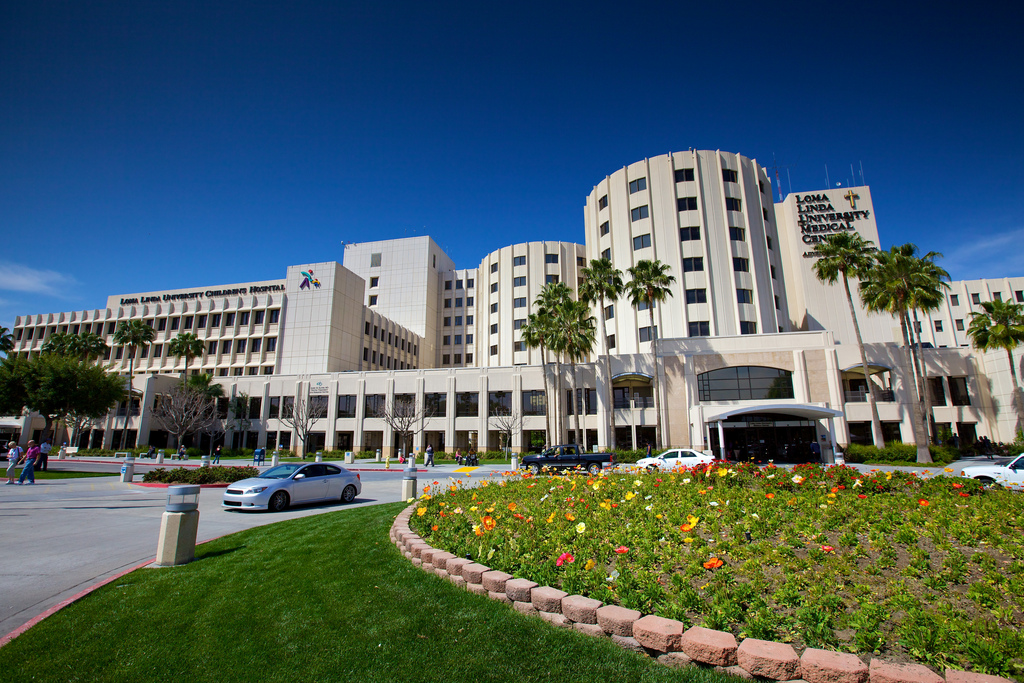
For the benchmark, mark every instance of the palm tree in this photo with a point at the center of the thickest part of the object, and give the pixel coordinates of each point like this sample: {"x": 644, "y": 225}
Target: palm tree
{"x": 1001, "y": 326}
{"x": 6, "y": 341}
{"x": 845, "y": 254}
{"x": 132, "y": 334}
{"x": 60, "y": 343}
{"x": 574, "y": 336}
{"x": 535, "y": 334}
{"x": 550, "y": 298}
{"x": 188, "y": 345}
{"x": 91, "y": 346}
{"x": 603, "y": 281}
{"x": 203, "y": 383}
{"x": 650, "y": 284}
{"x": 888, "y": 289}
{"x": 926, "y": 296}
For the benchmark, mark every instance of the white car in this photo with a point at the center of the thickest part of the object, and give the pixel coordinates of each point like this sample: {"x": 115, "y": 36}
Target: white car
{"x": 290, "y": 483}
{"x": 1009, "y": 474}
{"x": 675, "y": 457}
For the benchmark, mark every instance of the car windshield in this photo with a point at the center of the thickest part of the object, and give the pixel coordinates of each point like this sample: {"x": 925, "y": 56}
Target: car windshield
{"x": 280, "y": 472}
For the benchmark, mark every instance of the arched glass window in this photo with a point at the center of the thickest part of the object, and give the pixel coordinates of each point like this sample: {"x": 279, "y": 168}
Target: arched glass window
{"x": 745, "y": 383}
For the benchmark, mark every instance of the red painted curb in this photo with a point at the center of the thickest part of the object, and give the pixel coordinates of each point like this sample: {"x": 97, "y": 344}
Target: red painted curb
{"x": 157, "y": 485}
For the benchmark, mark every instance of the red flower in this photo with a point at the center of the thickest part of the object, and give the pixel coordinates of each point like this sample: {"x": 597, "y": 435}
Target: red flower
{"x": 828, "y": 549}
{"x": 713, "y": 563}
{"x": 964, "y": 495}
{"x": 861, "y": 495}
{"x": 769, "y": 496}
{"x": 958, "y": 486}
{"x": 563, "y": 558}
{"x": 433, "y": 528}
{"x": 622, "y": 550}
{"x": 923, "y": 503}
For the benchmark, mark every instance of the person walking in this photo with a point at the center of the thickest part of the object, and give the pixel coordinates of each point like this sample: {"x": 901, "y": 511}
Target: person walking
{"x": 13, "y": 456}
{"x": 216, "y": 456}
{"x": 43, "y": 462}
{"x": 30, "y": 460}
{"x": 429, "y": 462}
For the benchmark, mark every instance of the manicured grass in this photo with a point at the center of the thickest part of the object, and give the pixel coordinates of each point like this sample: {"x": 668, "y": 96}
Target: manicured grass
{"x": 911, "y": 567}
{"x": 323, "y": 598}
{"x": 57, "y": 474}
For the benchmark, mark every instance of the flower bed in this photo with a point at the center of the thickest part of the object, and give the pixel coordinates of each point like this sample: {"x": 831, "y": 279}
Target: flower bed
{"x": 926, "y": 568}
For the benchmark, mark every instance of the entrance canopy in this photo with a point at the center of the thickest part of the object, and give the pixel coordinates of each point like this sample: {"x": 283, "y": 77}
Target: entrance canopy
{"x": 873, "y": 369}
{"x": 803, "y": 410}
{"x": 632, "y": 377}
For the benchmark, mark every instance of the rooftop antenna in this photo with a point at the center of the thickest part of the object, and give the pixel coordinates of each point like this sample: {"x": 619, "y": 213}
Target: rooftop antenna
{"x": 828, "y": 183}
{"x": 778, "y": 181}
{"x": 862, "y": 173}
{"x": 790, "y": 179}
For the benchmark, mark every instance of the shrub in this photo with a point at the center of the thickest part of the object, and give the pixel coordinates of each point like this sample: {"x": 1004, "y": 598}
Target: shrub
{"x": 200, "y": 475}
{"x": 898, "y": 454}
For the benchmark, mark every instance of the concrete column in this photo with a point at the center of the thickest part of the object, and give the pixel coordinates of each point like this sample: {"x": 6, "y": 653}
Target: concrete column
{"x": 483, "y": 410}
{"x": 516, "y": 446}
{"x": 331, "y": 419}
{"x": 264, "y": 418}
{"x": 357, "y": 429}
{"x": 419, "y": 439}
{"x": 388, "y": 444}
{"x": 605, "y": 402}
{"x": 721, "y": 440}
{"x": 449, "y": 429}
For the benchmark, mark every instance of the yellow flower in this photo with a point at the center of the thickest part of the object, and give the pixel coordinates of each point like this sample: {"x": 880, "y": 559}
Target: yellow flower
{"x": 831, "y": 495}
{"x": 512, "y": 507}
{"x": 691, "y": 520}
{"x": 888, "y": 475}
{"x": 490, "y": 509}
{"x": 473, "y": 509}
{"x": 687, "y": 540}
{"x": 638, "y": 483}
{"x": 589, "y": 565}
{"x": 630, "y": 495}
{"x": 421, "y": 511}
{"x": 606, "y": 504}
{"x": 722, "y": 471}
{"x": 551, "y": 518}
{"x": 477, "y": 530}
{"x": 571, "y": 517}
{"x": 947, "y": 469}
{"x": 658, "y": 516}
{"x": 581, "y": 527}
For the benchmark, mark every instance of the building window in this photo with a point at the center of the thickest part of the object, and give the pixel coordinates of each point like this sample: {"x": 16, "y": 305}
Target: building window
{"x": 435, "y": 405}
{"x": 366, "y": 354}
{"x": 645, "y": 334}
{"x": 458, "y": 284}
{"x": 494, "y": 328}
{"x": 602, "y": 203}
{"x": 447, "y": 340}
{"x": 518, "y": 260}
{"x": 494, "y": 349}
{"x": 157, "y": 349}
{"x": 375, "y": 260}
{"x": 373, "y": 404}
{"x": 959, "y": 325}
{"x": 458, "y": 321}
{"x": 998, "y": 296}
{"x": 469, "y": 358}
{"x": 581, "y": 261}
{"x": 467, "y": 404}
{"x": 744, "y": 296}
{"x": 958, "y": 391}
{"x": 518, "y": 323}
{"x": 550, "y": 258}
{"x": 729, "y": 176}
{"x": 689, "y": 234}
{"x": 748, "y": 327}
{"x": 211, "y": 348}
{"x": 1019, "y": 294}
{"x": 733, "y": 204}
{"x": 201, "y": 322}
{"x": 448, "y": 321}
{"x": 256, "y": 343}
{"x": 373, "y": 299}
{"x": 111, "y": 326}
{"x": 519, "y": 281}
{"x": 737, "y": 234}
{"x": 765, "y": 213}
{"x": 494, "y": 308}
{"x": 954, "y": 300}
{"x": 607, "y": 253}
{"x": 604, "y": 228}
{"x": 778, "y": 306}
{"x": 494, "y": 267}
{"x": 469, "y": 283}
{"x": 229, "y": 319}
{"x": 447, "y": 284}
{"x": 637, "y": 185}
{"x": 243, "y": 318}
{"x": 258, "y": 318}
{"x": 691, "y": 265}
{"x": 517, "y": 346}
{"x": 551, "y": 279}
{"x": 745, "y": 383}
{"x": 609, "y": 311}
{"x": 696, "y": 296}
{"x": 275, "y": 316}
{"x": 768, "y": 241}
{"x": 533, "y": 403}
{"x": 271, "y": 344}
{"x": 240, "y": 346}
{"x": 174, "y": 323}
{"x": 975, "y": 299}
{"x": 494, "y": 288}
{"x": 161, "y": 324}
{"x": 760, "y": 186}
{"x": 446, "y": 359}
{"x": 611, "y": 341}
{"x": 469, "y": 301}
{"x": 641, "y": 242}
{"x": 773, "y": 271}
{"x": 458, "y": 339}
{"x": 347, "y": 406}
{"x": 639, "y": 213}
{"x": 469, "y": 320}
{"x": 701, "y": 328}
{"x": 938, "y": 326}
{"x": 447, "y": 303}
{"x": 684, "y": 175}
{"x": 686, "y": 204}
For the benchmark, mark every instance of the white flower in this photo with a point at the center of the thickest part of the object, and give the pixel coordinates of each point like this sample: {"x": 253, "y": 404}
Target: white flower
{"x": 614, "y": 575}
{"x": 649, "y": 507}
{"x": 713, "y": 503}
{"x": 755, "y": 515}
{"x": 648, "y": 497}
{"x": 686, "y": 481}
{"x": 797, "y": 479}
{"x": 857, "y": 483}
{"x": 770, "y": 476}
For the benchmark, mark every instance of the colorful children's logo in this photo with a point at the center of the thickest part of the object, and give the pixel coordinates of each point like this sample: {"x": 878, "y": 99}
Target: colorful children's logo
{"x": 308, "y": 279}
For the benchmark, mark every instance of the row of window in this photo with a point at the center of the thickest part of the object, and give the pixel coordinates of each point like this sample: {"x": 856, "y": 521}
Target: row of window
{"x": 214, "y": 320}
{"x": 446, "y": 340}
{"x": 378, "y": 332}
{"x": 269, "y": 344}
{"x": 458, "y": 320}
{"x": 458, "y": 300}
{"x": 467, "y": 404}
{"x": 521, "y": 261}
{"x": 954, "y": 299}
{"x": 383, "y": 361}
{"x": 446, "y": 358}
{"x": 458, "y": 284}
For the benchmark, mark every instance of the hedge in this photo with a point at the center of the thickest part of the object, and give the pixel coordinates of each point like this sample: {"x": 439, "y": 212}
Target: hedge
{"x": 200, "y": 475}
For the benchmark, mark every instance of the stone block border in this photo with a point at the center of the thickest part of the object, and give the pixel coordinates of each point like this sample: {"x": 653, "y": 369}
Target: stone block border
{"x": 667, "y": 640}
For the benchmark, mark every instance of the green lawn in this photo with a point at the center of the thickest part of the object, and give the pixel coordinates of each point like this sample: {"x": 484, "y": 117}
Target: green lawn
{"x": 324, "y": 598}
{"x": 55, "y": 474}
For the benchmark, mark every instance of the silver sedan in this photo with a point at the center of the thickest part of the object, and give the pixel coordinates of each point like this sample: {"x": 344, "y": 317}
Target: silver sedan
{"x": 291, "y": 483}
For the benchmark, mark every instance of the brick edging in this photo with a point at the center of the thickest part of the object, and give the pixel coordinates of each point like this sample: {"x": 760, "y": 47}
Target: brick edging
{"x": 663, "y": 638}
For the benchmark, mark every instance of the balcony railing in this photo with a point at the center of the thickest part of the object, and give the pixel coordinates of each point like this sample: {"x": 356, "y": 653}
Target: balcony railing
{"x": 635, "y": 402}
{"x": 885, "y": 395}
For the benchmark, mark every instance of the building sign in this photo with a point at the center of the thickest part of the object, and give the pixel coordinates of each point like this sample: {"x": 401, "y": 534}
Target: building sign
{"x": 209, "y": 293}
{"x": 318, "y": 388}
{"x": 818, "y": 218}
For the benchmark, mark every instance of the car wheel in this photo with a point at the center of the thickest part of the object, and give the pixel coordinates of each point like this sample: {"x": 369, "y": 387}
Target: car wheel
{"x": 349, "y": 494}
{"x": 594, "y": 468}
{"x": 652, "y": 469}
{"x": 987, "y": 482}
{"x": 534, "y": 469}
{"x": 279, "y": 502}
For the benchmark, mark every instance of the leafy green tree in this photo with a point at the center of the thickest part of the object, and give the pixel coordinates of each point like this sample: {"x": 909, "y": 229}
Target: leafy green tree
{"x": 6, "y": 341}
{"x": 534, "y": 334}
{"x": 12, "y": 388}
{"x": 847, "y": 254}
{"x": 188, "y": 345}
{"x": 1001, "y": 326}
{"x": 91, "y": 346}
{"x": 56, "y": 386}
{"x": 927, "y": 294}
{"x": 550, "y": 297}
{"x": 132, "y": 334}
{"x": 650, "y": 283}
{"x": 60, "y": 343}
{"x": 603, "y": 282}
{"x": 573, "y": 336}
{"x": 204, "y": 383}
{"x": 87, "y": 347}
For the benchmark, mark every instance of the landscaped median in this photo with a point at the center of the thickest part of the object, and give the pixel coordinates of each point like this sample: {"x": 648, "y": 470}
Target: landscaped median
{"x": 829, "y": 562}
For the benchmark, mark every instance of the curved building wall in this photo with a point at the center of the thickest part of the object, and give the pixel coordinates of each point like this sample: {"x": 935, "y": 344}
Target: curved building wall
{"x": 709, "y": 216}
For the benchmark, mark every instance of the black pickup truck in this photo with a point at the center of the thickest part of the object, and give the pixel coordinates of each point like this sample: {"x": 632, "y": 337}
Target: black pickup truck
{"x": 566, "y": 457}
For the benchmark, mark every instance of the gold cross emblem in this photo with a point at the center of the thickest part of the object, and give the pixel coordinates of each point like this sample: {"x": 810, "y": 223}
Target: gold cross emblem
{"x": 852, "y": 198}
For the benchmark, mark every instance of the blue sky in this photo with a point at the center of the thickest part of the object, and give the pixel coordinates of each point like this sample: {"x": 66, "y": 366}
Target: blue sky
{"x": 148, "y": 146}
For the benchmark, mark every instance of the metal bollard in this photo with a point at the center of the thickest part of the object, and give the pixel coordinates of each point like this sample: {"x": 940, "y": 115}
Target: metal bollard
{"x": 160, "y": 457}
{"x": 319, "y": 456}
{"x": 378, "y": 455}
{"x": 276, "y": 460}
{"x": 409, "y": 481}
{"x": 128, "y": 470}
{"x": 205, "y": 461}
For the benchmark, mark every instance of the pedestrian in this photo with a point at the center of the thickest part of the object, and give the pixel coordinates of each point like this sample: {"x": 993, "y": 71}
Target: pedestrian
{"x": 648, "y": 449}
{"x": 43, "y": 461}
{"x": 216, "y": 456}
{"x": 63, "y": 451}
{"x": 151, "y": 453}
{"x": 815, "y": 451}
{"x": 430, "y": 457}
{"x": 458, "y": 455}
{"x": 182, "y": 455}
{"x": 30, "y": 457}
{"x": 13, "y": 456}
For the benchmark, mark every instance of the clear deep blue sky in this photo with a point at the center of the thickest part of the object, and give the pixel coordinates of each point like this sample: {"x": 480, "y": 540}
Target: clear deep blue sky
{"x": 148, "y": 146}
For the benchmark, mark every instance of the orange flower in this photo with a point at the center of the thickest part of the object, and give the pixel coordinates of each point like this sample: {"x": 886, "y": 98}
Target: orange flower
{"x": 489, "y": 522}
{"x": 569, "y": 516}
{"x": 835, "y": 489}
{"x": 686, "y": 527}
{"x": 713, "y": 563}
{"x": 512, "y": 507}
{"x": 923, "y": 503}
{"x": 433, "y": 528}
{"x": 769, "y": 496}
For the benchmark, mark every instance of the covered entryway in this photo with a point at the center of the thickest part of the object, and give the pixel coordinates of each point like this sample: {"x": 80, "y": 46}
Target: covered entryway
{"x": 780, "y": 433}
{"x": 632, "y": 394}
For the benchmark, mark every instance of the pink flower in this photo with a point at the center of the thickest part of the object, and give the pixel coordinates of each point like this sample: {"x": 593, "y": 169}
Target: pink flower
{"x": 563, "y": 558}
{"x": 622, "y": 550}
{"x": 828, "y": 549}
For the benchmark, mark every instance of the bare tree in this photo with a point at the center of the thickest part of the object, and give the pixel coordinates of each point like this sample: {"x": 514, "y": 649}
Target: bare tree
{"x": 79, "y": 422}
{"x": 184, "y": 410}
{"x": 507, "y": 422}
{"x": 301, "y": 415}
{"x": 404, "y": 418}
{"x": 240, "y": 420}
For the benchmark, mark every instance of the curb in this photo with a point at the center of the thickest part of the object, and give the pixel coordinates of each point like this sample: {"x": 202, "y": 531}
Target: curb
{"x": 667, "y": 640}
{"x": 157, "y": 485}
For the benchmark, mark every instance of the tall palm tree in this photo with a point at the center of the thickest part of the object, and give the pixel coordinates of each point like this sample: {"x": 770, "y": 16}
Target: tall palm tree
{"x": 132, "y": 334}
{"x": 603, "y": 281}
{"x": 6, "y": 341}
{"x": 845, "y": 254}
{"x": 888, "y": 289}
{"x": 188, "y": 345}
{"x": 535, "y": 334}
{"x": 550, "y": 298}
{"x": 1001, "y": 326}
{"x": 203, "y": 383}
{"x": 91, "y": 346}
{"x": 60, "y": 343}
{"x": 927, "y": 294}
{"x": 574, "y": 336}
{"x": 650, "y": 284}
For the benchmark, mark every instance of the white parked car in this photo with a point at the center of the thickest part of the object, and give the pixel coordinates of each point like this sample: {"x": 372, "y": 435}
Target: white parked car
{"x": 292, "y": 483}
{"x": 1010, "y": 474}
{"x": 675, "y": 457}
